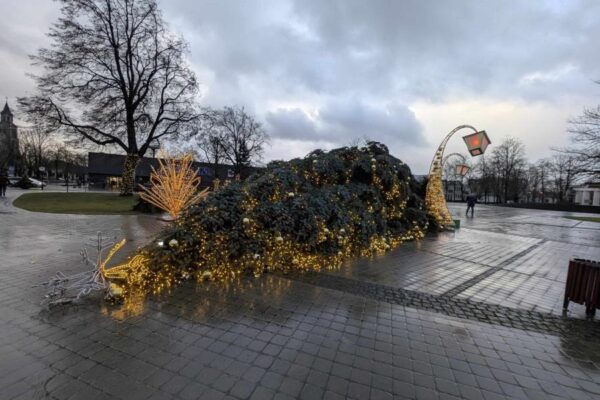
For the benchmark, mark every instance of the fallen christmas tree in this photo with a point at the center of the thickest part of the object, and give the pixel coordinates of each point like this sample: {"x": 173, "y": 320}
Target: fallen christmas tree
{"x": 304, "y": 214}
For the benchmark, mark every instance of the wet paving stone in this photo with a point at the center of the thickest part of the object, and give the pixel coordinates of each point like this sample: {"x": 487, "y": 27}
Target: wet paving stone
{"x": 521, "y": 265}
{"x": 428, "y": 320}
{"x": 446, "y": 304}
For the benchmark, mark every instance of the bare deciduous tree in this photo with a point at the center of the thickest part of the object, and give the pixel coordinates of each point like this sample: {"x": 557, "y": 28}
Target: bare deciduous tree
{"x": 564, "y": 169}
{"x": 209, "y": 139}
{"x": 585, "y": 136}
{"x": 114, "y": 75}
{"x": 544, "y": 168}
{"x": 35, "y": 143}
{"x": 453, "y": 179}
{"x": 233, "y": 135}
{"x": 63, "y": 160}
{"x": 359, "y": 141}
{"x": 509, "y": 161}
{"x": 482, "y": 178}
{"x": 532, "y": 182}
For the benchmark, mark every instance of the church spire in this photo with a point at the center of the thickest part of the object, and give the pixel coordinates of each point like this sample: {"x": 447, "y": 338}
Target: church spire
{"x": 6, "y": 116}
{"x": 6, "y": 108}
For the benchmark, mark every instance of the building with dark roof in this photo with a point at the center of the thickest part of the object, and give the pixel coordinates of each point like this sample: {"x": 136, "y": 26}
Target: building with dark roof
{"x": 10, "y": 156}
{"x": 104, "y": 171}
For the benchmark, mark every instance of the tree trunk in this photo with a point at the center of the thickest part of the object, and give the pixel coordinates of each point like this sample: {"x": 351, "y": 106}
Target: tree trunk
{"x": 128, "y": 177}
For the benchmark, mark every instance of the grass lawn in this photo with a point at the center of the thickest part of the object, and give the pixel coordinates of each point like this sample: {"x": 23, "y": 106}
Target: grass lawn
{"x": 589, "y": 219}
{"x": 77, "y": 203}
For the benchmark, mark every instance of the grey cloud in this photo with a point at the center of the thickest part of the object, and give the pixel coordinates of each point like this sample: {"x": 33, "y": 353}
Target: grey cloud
{"x": 406, "y": 50}
{"x": 340, "y": 121}
{"x": 459, "y": 46}
{"x": 392, "y": 123}
{"x": 274, "y": 55}
{"x": 24, "y": 27}
{"x": 292, "y": 124}
{"x": 381, "y": 50}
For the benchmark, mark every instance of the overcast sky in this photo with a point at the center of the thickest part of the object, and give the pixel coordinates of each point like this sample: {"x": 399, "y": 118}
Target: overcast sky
{"x": 321, "y": 73}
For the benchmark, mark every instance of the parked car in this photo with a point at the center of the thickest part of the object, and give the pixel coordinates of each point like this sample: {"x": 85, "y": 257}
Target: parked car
{"x": 36, "y": 183}
{"x": 14, "y": 182}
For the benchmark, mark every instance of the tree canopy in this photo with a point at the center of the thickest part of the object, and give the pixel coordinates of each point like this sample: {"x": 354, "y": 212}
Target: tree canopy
{"x": 232, "y": 135}
{"x": 585, "y": 138}
{"x": 114, "y": 75}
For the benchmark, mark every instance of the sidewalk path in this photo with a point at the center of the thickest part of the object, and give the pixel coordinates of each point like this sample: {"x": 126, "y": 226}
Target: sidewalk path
{"x": 473, "y": 314}
{"x": 508, "y": 257}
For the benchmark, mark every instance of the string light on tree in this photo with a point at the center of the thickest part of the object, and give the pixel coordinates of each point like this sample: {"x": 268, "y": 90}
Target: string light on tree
{"x": 174, "y": 185}
{"x": 64, "y": 288}
{"x": 302, "y": 215}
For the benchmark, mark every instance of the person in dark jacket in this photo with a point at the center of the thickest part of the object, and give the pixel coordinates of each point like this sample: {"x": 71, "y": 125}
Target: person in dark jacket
{"x": 471, "y": 200}
{"x": 3, "y": 184}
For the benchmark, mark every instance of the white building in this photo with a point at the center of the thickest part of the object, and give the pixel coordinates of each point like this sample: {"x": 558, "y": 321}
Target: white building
{"x": 587, "y": 195}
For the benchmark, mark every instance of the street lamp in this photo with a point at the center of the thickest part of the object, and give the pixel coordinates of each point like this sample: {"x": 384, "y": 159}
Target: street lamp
{"x": 461, "y": 169}
{"x": 154, "y": 145}
{"x": 42, "y": 170}
{"x": 477, "y": 142}
{"x": 435, "y": 201}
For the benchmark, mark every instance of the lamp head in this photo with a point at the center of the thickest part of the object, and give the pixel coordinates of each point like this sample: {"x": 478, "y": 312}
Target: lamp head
{"x": 477, "y": 143}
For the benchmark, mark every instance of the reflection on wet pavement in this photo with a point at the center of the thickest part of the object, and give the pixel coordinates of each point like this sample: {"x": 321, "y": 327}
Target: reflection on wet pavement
{"x": 524, "y": 268}
{"x": 276, "y": 337}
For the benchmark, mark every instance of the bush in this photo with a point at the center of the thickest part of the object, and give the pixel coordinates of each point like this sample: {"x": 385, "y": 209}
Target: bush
{"x": 303, "y": 214}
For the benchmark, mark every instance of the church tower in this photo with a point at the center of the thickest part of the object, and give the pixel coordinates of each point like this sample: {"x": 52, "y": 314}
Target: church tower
{"x": 6, "y": 115}
{"x": 9, "y": 141}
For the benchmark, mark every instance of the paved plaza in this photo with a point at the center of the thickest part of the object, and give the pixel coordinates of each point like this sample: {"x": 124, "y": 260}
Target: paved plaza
{"x": 474, "y": 314}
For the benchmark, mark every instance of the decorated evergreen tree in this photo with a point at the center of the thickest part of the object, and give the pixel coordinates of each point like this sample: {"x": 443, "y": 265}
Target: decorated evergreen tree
{"x": 304, "y": 214}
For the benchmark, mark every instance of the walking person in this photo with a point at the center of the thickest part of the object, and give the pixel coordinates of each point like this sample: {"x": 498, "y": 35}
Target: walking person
{"x": 3, "y": 184}
{"x": 471, "y": 200}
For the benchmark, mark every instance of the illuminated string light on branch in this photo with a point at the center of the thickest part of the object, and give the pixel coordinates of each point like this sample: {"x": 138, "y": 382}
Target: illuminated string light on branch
{"x": 128, "y": 177}
{"x": 64, "y": 288}
{"x": 174, "y": 185}
{"x": 435, "y": 200}
{"x": 303, "y": 215}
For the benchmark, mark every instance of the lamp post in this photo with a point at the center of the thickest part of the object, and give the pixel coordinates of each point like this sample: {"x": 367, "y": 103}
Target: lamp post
{"x": 42, "y": 170}
{"x": 154, "y": 145}
{"x": 461, "y": 169}
{"x": 477, "y": 142}
{"x": 435, "y": 201}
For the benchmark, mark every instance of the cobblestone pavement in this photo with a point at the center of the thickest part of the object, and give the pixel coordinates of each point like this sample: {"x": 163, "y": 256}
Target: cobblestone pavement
{"x": 504, "y": 256}
{"x": 465, "y": 315}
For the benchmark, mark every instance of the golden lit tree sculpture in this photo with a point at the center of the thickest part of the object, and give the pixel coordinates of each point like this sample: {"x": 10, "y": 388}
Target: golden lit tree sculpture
{"x": 174, "y": 185}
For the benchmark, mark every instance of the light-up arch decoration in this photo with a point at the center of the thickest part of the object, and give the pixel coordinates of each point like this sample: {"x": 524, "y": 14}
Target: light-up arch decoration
{"x": 435, "y": 201}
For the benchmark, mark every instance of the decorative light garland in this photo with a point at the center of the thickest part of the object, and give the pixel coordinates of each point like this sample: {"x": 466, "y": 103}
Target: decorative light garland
{"x": 376, "y": 221}
{"x": 174, "y": 185}
{"x": 203, "y": 254}
{"x": 64, "y": 288}
{"x": 128, "y": 177}
{"x": 435, "y": 201}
